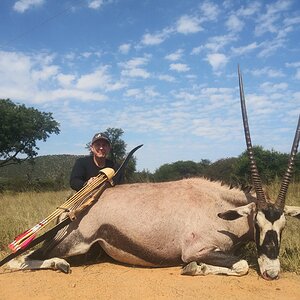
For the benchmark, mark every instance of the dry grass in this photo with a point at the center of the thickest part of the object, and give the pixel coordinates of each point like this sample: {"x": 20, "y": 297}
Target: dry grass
{"x": 290, "y": 250}
{"x": 20, "y": 211}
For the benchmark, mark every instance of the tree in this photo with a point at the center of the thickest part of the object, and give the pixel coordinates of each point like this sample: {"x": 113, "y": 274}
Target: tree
{"x": 118, "y": 153}
{"x": 203, "y": 165}
{"x": 179, "y": 170}
{"x": 20, "y": 129}
{"x": 143, "y": 176}
{"x": 118, "y": 146}
{"x": 221, "y": 170}
{"x": 270, "y": 165}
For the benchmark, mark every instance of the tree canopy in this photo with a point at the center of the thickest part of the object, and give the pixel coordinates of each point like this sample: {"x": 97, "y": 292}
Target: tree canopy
{"x": 118, "y": 146}
{"x": 20, "y": 128}
{"x": 180, "y": 170}
{"x": 271, "y": 165}
{"x": 233, "y": 170}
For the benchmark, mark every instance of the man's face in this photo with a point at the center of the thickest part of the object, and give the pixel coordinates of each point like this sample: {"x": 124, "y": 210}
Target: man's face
{"x": 100, "y": 148}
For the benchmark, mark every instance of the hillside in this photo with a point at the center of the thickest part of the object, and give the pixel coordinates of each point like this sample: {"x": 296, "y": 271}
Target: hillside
{"x": 42, "y": 169}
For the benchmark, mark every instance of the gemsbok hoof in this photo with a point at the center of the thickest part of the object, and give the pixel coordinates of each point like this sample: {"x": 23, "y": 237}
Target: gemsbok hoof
{"x": 190, "y": 269}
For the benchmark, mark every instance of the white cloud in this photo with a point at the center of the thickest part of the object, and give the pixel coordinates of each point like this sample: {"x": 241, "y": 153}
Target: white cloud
{"x": 16, "y": 76}
{"x": 187, "y": 96}
{"x": 65, "y": 80}
{"x": 45, "y": 73}
{"x": 284, "y": 31}
{"x": 210, "y": 91}
{"x": 270, "y": 47}
{"x": 149, "y": 39}
{"x": 58, "y": 94}
{"x": 191, "y": 76}
{"x": 296, "y": 100}
{"x": 234, "y": 23}
{"x": 210, "y": 11}
{"x": 132, "y": 93}
{"x": 197, "y": 50}
{"x": 35, "y": 79}
{"x": 22, "y": 5}
{"x": 136, "y": 72}
{"x": 86, "y": 54}
{"x": 291, "y": 21}
{"x": 95, "y": 4}
{"x": 96, "y": 80}
{"x": 217, "y": 60}
{"x": 188, "y": 24}
{"x": 250, "y": 10}
{"x": 297, "y": 76}
{"x": 100, "y": 79}
{"x": 152, "y": 39}
{"x": 269, "y": 21}
{"x": 132, "y": 68}
{"x": 135, "y": 62}
{"x": 70, "y": 56}
{"x": 261, "y": 104}
{"x": 19, "y": 62}
{"x": 271, "y": 87}
{"x": 267, "y": 71}
{"x": 245, "y": 49}
{"x": 167, "y": 78}
{"x": 213, "y": 128}
{"x": 295, "y": 64}
{"x": 124, "y": 48}
{"x": 179, "y": 67}
{"x": 216, "y": 43}
{"x": 147, "y": 93}
{"x": 150, "y": 92}
{"x": 175, "y": 55}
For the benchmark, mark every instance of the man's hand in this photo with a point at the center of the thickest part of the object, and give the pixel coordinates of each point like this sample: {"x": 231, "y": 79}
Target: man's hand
{"x": 90, "y": 180}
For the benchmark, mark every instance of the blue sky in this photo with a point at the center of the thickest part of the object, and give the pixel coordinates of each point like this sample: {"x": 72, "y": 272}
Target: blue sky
{"x": 165, "y": 71}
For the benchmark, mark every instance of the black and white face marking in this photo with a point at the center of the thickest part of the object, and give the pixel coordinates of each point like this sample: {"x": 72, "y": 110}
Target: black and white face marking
{"x": 269, "y": 224}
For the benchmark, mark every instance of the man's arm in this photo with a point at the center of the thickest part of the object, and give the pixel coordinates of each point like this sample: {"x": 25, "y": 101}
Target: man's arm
{"x": 77, "y": 178}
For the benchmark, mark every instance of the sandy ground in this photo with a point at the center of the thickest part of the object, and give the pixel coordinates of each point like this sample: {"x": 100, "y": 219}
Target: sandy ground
{"x": 108, "y": 280}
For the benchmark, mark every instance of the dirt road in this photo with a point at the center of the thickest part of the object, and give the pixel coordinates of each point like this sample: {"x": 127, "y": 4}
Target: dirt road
{"x": 112, "y": 281}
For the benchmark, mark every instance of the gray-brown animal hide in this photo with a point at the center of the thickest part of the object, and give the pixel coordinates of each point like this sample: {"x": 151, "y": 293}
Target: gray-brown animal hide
{"x": 159, "y": 224}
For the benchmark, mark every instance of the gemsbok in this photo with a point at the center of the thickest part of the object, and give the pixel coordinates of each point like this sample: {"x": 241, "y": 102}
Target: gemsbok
{"x": 196, "y": 223}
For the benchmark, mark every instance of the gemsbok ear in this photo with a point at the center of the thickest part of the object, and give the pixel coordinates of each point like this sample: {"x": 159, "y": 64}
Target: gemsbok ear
{"x": 236, "y": 213}
{"x": 293, "y": 211}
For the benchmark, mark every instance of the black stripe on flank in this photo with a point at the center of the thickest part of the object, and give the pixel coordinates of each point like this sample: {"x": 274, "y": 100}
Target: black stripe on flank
{"x": 117, "y": 239}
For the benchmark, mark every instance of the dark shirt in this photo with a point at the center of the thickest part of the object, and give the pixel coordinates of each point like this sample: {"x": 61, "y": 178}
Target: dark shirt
{"x": 85, "y": 168}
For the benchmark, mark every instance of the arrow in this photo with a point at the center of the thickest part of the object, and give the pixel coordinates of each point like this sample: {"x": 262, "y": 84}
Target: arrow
{"x": 51, "y": 232}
